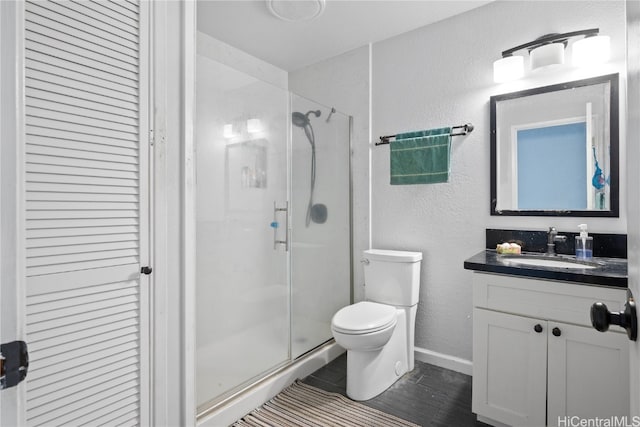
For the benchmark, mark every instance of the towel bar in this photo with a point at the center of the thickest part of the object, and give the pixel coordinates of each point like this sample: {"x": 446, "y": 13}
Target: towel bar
{"x": 455, "y": 131}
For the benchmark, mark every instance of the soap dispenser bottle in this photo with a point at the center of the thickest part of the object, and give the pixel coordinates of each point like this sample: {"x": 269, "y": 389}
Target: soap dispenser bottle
{"x": 584, "y": 244}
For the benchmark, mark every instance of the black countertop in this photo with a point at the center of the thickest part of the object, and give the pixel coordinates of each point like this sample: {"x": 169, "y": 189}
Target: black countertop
{"x": 612, "y": 272}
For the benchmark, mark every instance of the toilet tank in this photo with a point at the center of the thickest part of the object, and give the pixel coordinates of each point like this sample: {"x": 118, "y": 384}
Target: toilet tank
{"x": 392, "y": 277}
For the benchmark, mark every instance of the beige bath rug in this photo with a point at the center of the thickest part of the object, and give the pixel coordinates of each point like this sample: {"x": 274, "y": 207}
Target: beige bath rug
{"x": 303, "y": 405}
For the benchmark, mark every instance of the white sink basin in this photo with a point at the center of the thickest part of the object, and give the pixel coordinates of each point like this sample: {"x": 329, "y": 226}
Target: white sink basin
{"x": 547, "y": 262}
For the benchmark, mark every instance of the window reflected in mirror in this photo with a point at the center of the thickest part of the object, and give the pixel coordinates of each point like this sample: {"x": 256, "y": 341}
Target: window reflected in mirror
{"x": 554, "y": 150}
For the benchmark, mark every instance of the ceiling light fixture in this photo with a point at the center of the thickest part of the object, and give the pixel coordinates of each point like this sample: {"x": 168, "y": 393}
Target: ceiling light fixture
{"x": 549, "y": 51}
{"x": 296, "y": 10}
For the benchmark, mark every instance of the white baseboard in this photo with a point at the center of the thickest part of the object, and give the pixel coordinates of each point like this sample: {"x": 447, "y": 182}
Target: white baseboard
{"x": 254, "y": 397}
{"x": 444, "y": 360}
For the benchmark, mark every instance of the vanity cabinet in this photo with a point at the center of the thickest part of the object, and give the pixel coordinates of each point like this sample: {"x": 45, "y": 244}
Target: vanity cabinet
{"x": 536, "y": 358}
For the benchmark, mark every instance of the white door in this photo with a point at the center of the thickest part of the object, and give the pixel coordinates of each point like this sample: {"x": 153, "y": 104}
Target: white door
{"x": 81, "y": 213}
{"x": 633, "y": 194}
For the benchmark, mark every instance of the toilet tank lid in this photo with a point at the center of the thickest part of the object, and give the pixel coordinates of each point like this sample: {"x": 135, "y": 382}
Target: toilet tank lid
{"x": 392, "y": 256}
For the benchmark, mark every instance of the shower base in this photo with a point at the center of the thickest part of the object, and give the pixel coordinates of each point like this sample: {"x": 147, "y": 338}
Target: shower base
{"x": 241, "y": 403}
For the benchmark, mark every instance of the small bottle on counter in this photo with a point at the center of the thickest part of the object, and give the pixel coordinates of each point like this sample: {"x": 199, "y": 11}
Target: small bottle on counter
{"x": 584, "y": 244}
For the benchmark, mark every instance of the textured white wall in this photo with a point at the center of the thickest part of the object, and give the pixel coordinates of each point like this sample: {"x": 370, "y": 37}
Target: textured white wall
{"x": 343, "y": 82}
{"x": 441, "y": 75}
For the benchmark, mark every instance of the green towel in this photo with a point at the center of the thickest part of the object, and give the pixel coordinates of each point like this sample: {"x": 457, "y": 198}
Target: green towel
{"x": 420, "y": 157}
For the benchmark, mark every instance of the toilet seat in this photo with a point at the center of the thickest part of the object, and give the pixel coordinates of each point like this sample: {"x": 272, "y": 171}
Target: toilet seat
{"x": 364, "y": 318}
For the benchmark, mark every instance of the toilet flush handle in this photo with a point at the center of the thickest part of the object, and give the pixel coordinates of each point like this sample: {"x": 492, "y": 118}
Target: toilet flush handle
{"x": 365, "y": 261}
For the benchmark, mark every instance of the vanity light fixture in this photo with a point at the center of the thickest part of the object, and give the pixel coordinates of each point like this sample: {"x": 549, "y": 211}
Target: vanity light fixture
{"x": 242, "y": 127}
{"x": 591, "y": 50}
{"x": 254, "y": 126}
{"x": 227, "y": 131}
{"x": 546, "y": 56}
{"x": 508, "y": 68}
{"x": 549, "y": 51}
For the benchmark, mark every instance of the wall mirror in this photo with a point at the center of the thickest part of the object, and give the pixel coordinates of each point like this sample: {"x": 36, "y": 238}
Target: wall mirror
{"x": 554, "y": 150}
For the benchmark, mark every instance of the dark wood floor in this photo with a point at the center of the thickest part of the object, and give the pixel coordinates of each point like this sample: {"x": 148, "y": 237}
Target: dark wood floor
{"x": 428, "y": 395}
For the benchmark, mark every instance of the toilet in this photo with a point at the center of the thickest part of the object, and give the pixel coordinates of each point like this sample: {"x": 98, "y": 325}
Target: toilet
{"x": 378, "y": 333}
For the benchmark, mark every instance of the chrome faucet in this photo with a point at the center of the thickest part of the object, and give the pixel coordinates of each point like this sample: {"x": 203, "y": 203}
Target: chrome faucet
{"x": 552, "y": 238}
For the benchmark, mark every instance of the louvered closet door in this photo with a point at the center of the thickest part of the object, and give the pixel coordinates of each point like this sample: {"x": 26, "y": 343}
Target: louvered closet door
{"x": 86, "y": 212}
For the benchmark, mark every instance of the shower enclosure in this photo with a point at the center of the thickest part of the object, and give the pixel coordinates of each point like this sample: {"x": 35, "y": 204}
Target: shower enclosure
{"x": 272, "y": 224}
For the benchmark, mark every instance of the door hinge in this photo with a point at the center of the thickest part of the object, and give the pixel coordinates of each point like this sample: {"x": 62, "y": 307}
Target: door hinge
{"x": 14, "y": 363}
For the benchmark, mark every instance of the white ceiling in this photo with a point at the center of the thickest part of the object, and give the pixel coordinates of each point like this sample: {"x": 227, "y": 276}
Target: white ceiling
{"x": 345, "y": 25}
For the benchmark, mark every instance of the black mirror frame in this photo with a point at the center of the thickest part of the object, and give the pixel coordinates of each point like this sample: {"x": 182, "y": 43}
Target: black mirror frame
{"x": 614, "y": 160}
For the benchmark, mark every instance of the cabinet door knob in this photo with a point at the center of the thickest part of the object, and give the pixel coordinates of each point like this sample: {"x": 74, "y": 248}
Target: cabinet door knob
{"x": 602, "y": 318}
{"x": 538, "y": 328}
{"x": 556, "y": 332}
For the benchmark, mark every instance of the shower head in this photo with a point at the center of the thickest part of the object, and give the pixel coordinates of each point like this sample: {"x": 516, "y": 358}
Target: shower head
{"x": 301, "y": 120}
{"x": 315, "y": 212}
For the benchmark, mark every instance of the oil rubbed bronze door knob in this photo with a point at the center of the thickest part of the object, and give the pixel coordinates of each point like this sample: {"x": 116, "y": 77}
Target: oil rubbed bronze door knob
{"x": 602, "y": 318}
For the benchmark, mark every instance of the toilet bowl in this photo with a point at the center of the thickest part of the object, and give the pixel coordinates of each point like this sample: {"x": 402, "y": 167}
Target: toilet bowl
{"x": 378, "y": 333}
{"x": 364, "y": 326}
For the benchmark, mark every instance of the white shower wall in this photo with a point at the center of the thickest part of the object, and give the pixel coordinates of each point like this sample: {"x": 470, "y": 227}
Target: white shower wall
{"x": 320, "y": 256}
{"x": 344, "y": 83}
{"x": 259, "y": 307}
{"x": 242, "y": 288}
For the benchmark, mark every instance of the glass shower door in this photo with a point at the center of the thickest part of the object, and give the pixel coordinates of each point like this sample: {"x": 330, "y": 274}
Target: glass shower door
{"x": 242, "y": 285}
{"x": 321, "y": 211}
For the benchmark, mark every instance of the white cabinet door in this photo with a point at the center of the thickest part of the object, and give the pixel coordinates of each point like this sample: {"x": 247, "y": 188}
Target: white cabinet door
{"x": 509, "y": 368}
{"x": 588, "y": 373}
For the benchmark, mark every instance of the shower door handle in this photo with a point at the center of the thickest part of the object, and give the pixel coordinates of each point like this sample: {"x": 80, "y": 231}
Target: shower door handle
{"x": 275, "y": 226}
